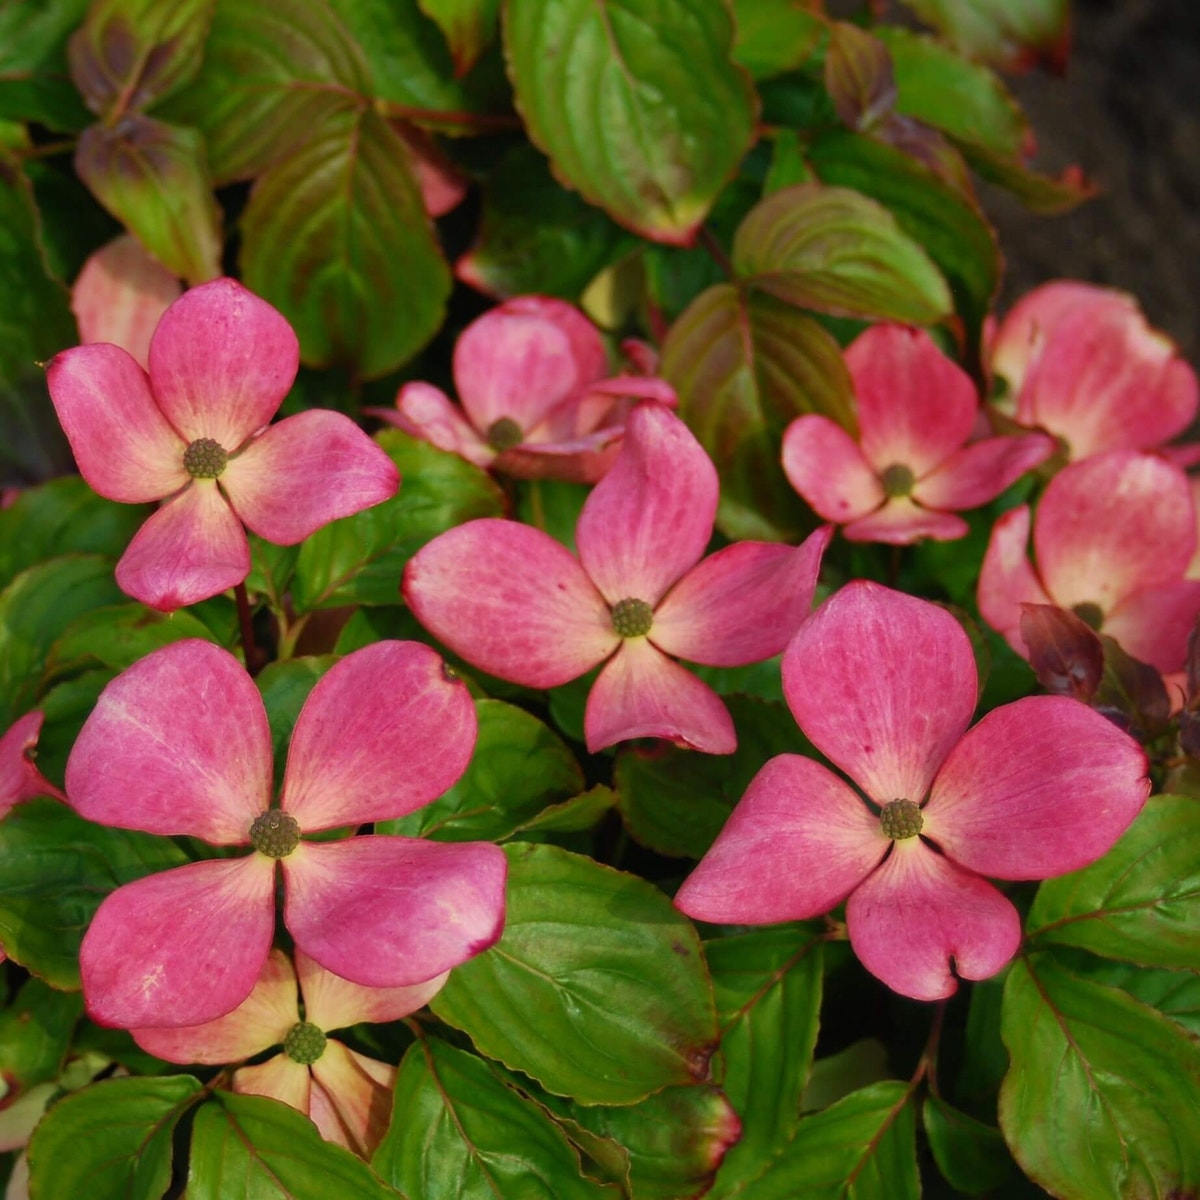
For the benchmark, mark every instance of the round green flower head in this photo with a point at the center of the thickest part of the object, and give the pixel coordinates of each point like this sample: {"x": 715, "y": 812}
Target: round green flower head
{"x": 897, "y": 480}
{"x": 275, "y": 833}
{"x": 901, "y": 819}
{"x": 205, "y": 459}
{"x": 504, "y": 434}
{"x": 632, "y": 617}
{"x": 305, "y": 1043}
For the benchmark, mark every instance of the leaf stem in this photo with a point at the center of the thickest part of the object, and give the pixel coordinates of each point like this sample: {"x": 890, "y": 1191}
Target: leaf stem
{"x": 255, "y": 658}
{"x": 709, "y": 241}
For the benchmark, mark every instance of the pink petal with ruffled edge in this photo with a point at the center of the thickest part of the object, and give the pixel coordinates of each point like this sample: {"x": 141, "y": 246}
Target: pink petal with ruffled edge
{"x": 918, "y": 912}
{"x": 121, "y": 294}
{"x": 883, "y": 685}
{"x": 643, "y": 693}
{"x": 900, "y": 522}
{"x": 523, "y": 358}
{"x": 177, "y": 744}
{"x": 649, "y": 519}
{"x": 182, "y": 947}
{"x": 824, "y": 464}
{"x": 1006, "y": 580}
{"x": 304, "y": 472}
{"x": 1022, "y": 335}
{"x": 428, "y": 413}
{"x": 191, "y": 549}
{"x": 978, "y": 473}
{"x": 391, "y": 911}
{"x": 799, "y": 841}
{"x": 915, "y": 406}
{"x": 278, "y": 1078}
{"x": 262, "y": 1020}
{"x": 351, "y": 1098}
{"x": 742, "y": 604}
{"x": 125, "y": 447}
{"x": 1154, "y": 625}
{"x": 221, "y": 362}
{"x": 1111, "y": 526}
{"x": 19, "y": 778}
{"x": 384, "y": 732}
{"x": 1039, "y": 787}
{"x": 1106, "y": 381}
{"x": 332, "y": 1002}
{"x": 512, "y": 601}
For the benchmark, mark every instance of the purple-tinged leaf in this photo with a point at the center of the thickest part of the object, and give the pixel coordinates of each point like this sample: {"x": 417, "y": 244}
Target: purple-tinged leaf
{"x": 1064, "y": 651}
{"x": 858, "y": 76}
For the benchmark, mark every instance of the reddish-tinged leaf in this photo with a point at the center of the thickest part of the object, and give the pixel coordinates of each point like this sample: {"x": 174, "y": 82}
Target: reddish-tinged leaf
{"x": 774, "y": 36}
{"x": 1006, "y": 33}
{"x": 1065, "y": 653}
{"x": 1131, "y": 689}
{"x": 468, "y": 25}
{"x": 858, "y": 76}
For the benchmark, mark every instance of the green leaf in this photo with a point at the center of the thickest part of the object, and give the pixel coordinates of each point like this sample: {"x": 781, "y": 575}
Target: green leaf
{"x": 55, "y": 869}
{"x": 63, "y": 516}
{"x": 459, "y": 1133}
{"x": 1176, "y": 994}
{"x": 337, "y": 238}
{"x": 359, "y": 559}
{"x": 535, "y": 236}
{"x": 858, "y": 76}
{"x": 576, "y": 815}
{"x": 66, "y": 706}
{"x": 1046, "y": 195}
{"x": 154, "y": 179}
{"x": 468, "y": 25}
{"x": 284, "y": 687}
{"x": 33, "y": 63}
{"x": 950, "y": 228}
{"x": 861, "y": 1148}
{"x": 1141, "y": 901}
{"x": 272, "y": 75}
{"x": 112, "y": 1140}
{"x": 519, "y": 767}
{"x": 1100, "y": 1099}
{"x": 613, "y": 973}
{"x": 117, "y": 637}
{"x": 608, "y": 92}
{"x": 774, "y": 36}
{"x": 768, "y": 985}
{"x": 130, "y": 53}
{"x": 35, "y": 1036}
{"x": 837, "y": 251}
{"x": 745, "y": 365}
{"x": 677, "y": 801}
{"x": 1006, "y": 33}
{"x": 35, "y": 609}
{"x": 971, "y": 1156}
{"x": 252, "y": 1147}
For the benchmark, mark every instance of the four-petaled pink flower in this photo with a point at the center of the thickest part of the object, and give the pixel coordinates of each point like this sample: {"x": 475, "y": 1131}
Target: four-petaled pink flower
{"x": 884, "y": 685}
{"x": 536, "y": 401}
{"x": 347, "y": 1095}
{"x": 516, "y": 603}
{"x": 1082, "y": 363}
{"x": 912, "y": 468}
{"x": 179, "y": 745}
{"x": 1113, "y": 537}
{"x": 194, "y": 432}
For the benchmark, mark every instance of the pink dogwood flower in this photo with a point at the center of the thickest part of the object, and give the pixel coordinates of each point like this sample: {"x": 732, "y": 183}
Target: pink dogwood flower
{"x": 531, "y": 376}
{"x": 884, "y": 685}
{"x": 516, "y": 603}
{"x": 19, "y": 777}
{"x": 193, "y": 433}
{"x": 1113, "y": 537}
{"x": 179, "y": 745}
{"x": 912, "y": 468}
{"x": 1082, "y": 363}
{"x": 347, "y": 1095}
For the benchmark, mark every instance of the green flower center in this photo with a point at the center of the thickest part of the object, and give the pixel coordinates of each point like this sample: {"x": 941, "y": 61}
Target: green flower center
{"x": 632, "y": 617}
{"x": 901, "y": 819}
{"x": 275, "y": 833}
{"x": 305, "y": 1043}
{"x": 205, "y": 459}
{"x": 897, "y": 480}
{"x": 1092, "y": 615}
{"x": 504, "y": 434}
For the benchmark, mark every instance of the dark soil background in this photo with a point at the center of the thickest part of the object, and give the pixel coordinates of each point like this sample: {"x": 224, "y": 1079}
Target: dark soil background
{"x": 1128, "y": 112}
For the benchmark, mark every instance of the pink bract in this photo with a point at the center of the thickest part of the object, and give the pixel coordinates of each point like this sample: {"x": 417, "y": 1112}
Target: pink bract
{"x": 347, "y": 1095}
{"x": 531, "y": 376}
{"x": 912, "y": 468}
{"x": 19, "y": 778}
{"x": 193, "y": 432}
{"x": 1113, "y": 537}
{"x": 518, "y": 604}
{"x": 884, "y": 686}
{"x": 1082, "y": 363}
{"x": 179, "y": 745}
